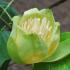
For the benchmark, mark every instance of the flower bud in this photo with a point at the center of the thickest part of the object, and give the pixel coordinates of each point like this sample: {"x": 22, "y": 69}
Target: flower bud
{"x": 35, "y": 36}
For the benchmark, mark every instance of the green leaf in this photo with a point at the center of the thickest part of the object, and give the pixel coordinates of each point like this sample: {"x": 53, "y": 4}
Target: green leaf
{"x": 3, "y": 46}
{"x": 63, "y": 50}
{"x": 64, "y": 36}
{"x": 58, "y": 65}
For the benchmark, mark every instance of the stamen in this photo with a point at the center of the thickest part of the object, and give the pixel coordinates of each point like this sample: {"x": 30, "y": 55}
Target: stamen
{"x": 25, "y": 25}
{"x": 44, "y": 20}
{"x": 29, "y": 24}
{"x": 36, "y": 25}
{"x": 47, "y": 26}
{"x": 36, "y": 20}
{"x": 50, "y": 28}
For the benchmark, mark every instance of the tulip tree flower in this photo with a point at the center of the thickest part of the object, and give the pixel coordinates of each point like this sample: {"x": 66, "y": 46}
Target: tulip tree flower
{"x": 35, "y": 36}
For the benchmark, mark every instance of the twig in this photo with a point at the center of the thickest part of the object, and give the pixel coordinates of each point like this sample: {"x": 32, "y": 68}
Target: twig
{"x": 6, "y": 23}
{"x": 4, "y": 11}
{"x": 57, "y": 3}
{"x": 7, "y": 8}
{"x": 2, "y": 28}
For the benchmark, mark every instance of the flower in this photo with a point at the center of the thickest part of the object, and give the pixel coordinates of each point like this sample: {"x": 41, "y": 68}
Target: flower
{"x": 35, "y": 36}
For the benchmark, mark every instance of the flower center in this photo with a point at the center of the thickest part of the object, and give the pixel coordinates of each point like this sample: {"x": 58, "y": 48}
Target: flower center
{"x": 38, "y": 26}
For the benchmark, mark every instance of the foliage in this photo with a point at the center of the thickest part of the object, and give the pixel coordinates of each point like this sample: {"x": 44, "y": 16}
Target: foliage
{"x": 5, "y": 19}
{"x": 3, "y": 46}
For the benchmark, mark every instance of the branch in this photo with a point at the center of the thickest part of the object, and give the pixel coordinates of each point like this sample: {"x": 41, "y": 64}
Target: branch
{"x": 57, "y": 3}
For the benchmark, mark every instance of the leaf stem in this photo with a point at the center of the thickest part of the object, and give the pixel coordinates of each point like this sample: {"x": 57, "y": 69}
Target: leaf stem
{"x": 32, "y": 66}
{"x": 5, "y": 65}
